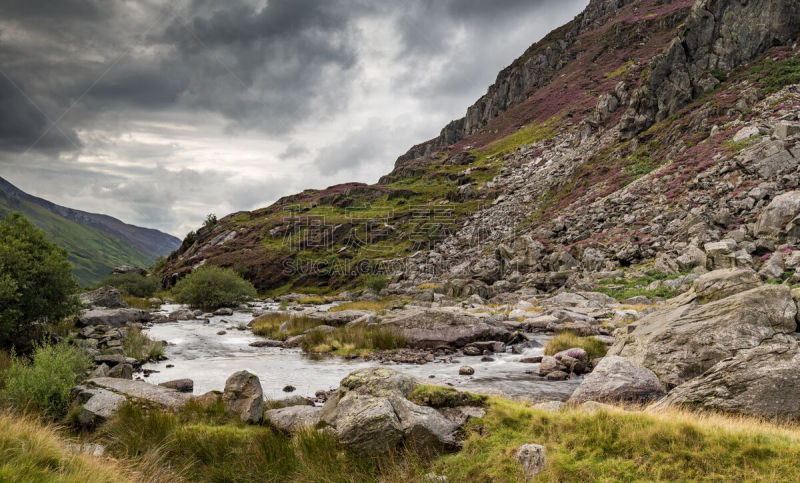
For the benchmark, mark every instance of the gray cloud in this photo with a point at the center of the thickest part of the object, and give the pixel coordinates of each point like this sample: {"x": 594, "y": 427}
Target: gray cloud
{"x": 159, "y": 112}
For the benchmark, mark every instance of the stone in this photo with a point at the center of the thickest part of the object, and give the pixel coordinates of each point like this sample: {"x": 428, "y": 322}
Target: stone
{"x": 101, "y": 406}
{"x": 209, "y": 399}
{"x": 719, "y": 284}
{"x": 181, "y": 314}
{"x": 266, "y": 343}
{"x": 785, "y": 130}
{"x": 762, "y": 381}
{"x": 557, "y": 376}
{"x": 471, "y": 350}
{"x": 123, "y": 269}
{"x": 550, "y": 364}
{"x": 551, "y": 406}
{"x": 719, "y": 254}
{"x": 370, "y": 414}
{"x": 466, "y": 371}
{"x": 746, "y": 132}
{"x": 225, "y": 311}
{"x": 105, "y": 297}
{"x": 432, "y": 328}
{"x": 121, "y": 371}
{"x": 340, "y": 318}
{"x": 114, "y": 359}
{"x": 532, "y": 458}
{"x": 113, "y": 317}
{"x": 686, "y": 338}
{"x": 616, "y": 379}
{"x": 180, "y": 385}
{"x": 291, "y": 419}
{"x": 778, "y": 213}
{"x": 243, "y": 396}
{"x": 290, "y": 401}
{"x": 773, "y": 267}
{"x": 169, "y": 398}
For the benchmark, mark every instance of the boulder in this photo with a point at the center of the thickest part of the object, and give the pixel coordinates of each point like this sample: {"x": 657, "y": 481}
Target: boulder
{"x": 180, "y": 385}
{"x": 616, "y": 379}
{"x": 370, "y": 414}
{"x": 209, "y": 399}
{"x": 337, "y": 319}
{"x": 687, "y": 337}
{"x": 121, "y": 371}
{"x": 169, "y": 398}
{"x": 181, "y": 314}
{"x": 291, "y": 419}
{"x": 106, "y": 296}
{"x": 225, "y": 311}
{"x": 532, "y": 458}
{"x": 122, "y": 270}
{"x": 466, "y": 371}
{"x": 719, "y": 284}
{"x": 243, "y": 396}
{"x": 100, "y": 406}
{"x": 778, "y": 213}
{"x": 720, "y": 254}
{"x": 432, "y": 328}
{"x": 288, "y": 402}
{"x": 113, "y": 317}
{"x": 762, "y": 381}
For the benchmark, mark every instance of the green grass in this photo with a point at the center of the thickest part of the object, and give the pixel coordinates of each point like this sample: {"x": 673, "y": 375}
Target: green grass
{"x": 625, "y": 288}
{"x": 352, "y": 340}
{"x": 622, "y": 69}
{"x": 445, "y": 397}
{"x": 774, "y": 76}
{"x": 141, "y": 347}
{"x": 269, "y": 325}
{"x": 137, "y": 302}
{"x": 568, "y": 340}
{"x": 618, "y": 446}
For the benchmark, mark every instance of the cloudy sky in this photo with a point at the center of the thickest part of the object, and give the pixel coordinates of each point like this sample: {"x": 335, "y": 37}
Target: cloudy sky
{"x": 161, "y": 111}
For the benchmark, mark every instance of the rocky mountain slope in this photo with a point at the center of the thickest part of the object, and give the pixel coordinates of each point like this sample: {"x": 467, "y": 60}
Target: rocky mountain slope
{"x": 96, "y": 243}
{"x": 642, "y": 133}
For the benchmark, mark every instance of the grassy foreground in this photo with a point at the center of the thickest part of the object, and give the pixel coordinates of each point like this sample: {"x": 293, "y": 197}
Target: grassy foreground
{"x": 609, "y": 445}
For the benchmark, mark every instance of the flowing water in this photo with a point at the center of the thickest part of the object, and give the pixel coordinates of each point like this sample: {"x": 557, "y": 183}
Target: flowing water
{"x": 198, "y": 353}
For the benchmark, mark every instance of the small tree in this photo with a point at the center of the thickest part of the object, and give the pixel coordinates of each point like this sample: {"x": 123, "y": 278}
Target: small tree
{"x": 133, "y": 283}
{"x": 36, "y": 283}
{"x": 211, "y": 221}
{"x": 211, "y": 287}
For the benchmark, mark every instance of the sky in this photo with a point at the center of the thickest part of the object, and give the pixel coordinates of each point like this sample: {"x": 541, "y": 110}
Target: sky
{"x": 159, "y": 112}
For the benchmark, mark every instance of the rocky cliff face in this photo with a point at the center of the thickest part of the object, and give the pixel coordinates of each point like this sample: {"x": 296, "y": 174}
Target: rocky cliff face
{"x": 645, "y": 133}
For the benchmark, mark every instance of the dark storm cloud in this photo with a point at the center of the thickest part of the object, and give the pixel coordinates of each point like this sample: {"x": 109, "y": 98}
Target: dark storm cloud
{"x": 116, "y": 100}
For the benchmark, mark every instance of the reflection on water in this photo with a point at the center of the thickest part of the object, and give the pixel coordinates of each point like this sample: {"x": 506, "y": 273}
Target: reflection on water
{"x": 198, "y": 353}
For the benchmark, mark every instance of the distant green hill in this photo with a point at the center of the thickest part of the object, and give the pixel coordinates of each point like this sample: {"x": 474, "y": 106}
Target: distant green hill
{"x": 92, "y": 251}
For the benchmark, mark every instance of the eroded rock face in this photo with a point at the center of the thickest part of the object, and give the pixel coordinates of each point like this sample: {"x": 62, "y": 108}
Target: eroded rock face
{"x": 293, "y": 418}
{"x": 105, "y": 296}
{"x": 616, "y": 379}
{"x": 429, "y": 329}
{"x": 688, "y": 338}
{"x": 169, "y": 398}
{"x": 370, "y": 414}
{"x": 762, "y": 381}
{"x": 243, "y": 396}
{"x": 778, "y": 214}
{"x": 113, "y": 317}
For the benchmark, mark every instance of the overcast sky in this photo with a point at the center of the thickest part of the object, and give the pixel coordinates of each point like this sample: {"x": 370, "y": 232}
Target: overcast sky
{"x": 158, "y": 112}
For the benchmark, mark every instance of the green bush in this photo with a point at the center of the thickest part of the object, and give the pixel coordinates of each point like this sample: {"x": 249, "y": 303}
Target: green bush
{"x": 376, "y": 282}
{"x": 212, "y": 287}
{"x": 42, "y": 384}
{"x": 568, "y": 340}
{"x": 36, "y": 283}
{"x": 132, "y": 283}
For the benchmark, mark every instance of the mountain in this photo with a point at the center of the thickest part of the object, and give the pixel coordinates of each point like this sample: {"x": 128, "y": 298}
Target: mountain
{"x": 639, "y": 135}
{"x": 96, "y": 243}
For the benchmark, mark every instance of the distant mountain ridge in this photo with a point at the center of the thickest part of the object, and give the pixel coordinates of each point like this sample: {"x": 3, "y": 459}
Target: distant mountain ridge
{"x": 96, "y": 243}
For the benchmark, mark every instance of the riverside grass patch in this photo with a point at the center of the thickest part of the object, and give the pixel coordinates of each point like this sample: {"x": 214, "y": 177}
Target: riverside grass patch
{"x": 141, "y": 347}
{"x": 567, "y": 340}
{"x": 344, "y": 341}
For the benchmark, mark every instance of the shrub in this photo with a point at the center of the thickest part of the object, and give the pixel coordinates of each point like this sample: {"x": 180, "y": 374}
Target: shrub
{"x": 212, "y": 287}
{"x": 376, "y": 282}
{"x": 210, "y": 222}
{"x": 36, "y": 283}
{"x": 141, "y": 347}
{"x": 132, "y": 283}
{"x": 568, "y": 340}
{"x": 445, "y": 397}
{"x": 42, "y": 384}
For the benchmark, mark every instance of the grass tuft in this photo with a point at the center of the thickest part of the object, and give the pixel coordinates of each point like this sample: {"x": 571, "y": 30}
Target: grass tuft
{"x": 445, "y": 397}
{"x": 269, "y": 325}
{"x": 352, "y": 340}
{"x": 141, "y": 347}
{"x": 568, "y": 340}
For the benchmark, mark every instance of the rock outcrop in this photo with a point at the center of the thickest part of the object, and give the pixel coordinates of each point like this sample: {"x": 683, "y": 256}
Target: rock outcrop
{"x": 616, "y": 379}
{"x": 688, "y": 337}
{"x": 105, "y": 296}
{"x": 370, "y": 414}
{"x": 429, "y": 329}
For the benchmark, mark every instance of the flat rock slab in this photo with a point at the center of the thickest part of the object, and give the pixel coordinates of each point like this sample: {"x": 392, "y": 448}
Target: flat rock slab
{"x": 166, "y": 397}
{"x": 293, "y": 418}
{"x": 100, "y": 407}
{"x": 113, "y": 317}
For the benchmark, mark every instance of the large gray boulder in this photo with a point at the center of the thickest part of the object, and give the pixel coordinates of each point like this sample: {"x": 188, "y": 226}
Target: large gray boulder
{"x": 100, "y": 406}
{"x": 778, "y": 214}
{"x": 105, "y": 296}
{"x": 370, "y": 414}
{"x": 292, "y": 419}
{"x": 113, "y": 317}
{"x": 688, "y": 337}
{"x": 337, "y": 319}
{"x": 429, "y": 329}
{"x": 616, "y": 379}
{"x": 719, "y": 284}
{"x": 243, "y": 396}
{"x": 762, "y": 381}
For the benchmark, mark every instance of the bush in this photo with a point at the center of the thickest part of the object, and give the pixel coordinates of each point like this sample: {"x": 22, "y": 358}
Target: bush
{"x": 132, "y": 283}
{"x": 376, "y": 282}
{"x": 568, "y": 340}
{"x": 36, "y": 283}
{"x": 269, "y": 325}
{"x": 42, "y": 384}
{"x": 212, "y": 287}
